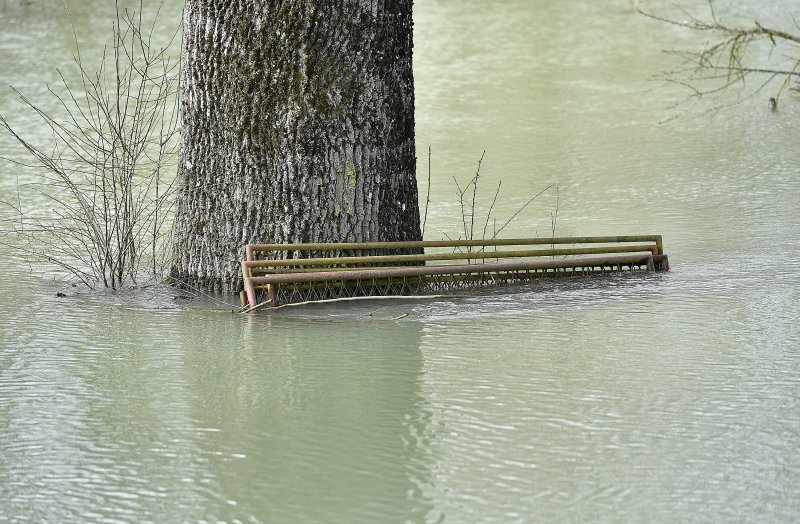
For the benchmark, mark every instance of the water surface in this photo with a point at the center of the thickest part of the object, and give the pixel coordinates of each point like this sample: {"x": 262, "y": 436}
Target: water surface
{"x": 668, "y": 397}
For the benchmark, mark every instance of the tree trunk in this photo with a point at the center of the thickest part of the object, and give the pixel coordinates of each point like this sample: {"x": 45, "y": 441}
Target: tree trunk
{"x": 297, "y": 126}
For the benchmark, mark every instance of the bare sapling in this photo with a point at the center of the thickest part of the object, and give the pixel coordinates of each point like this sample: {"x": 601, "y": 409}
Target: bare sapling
{"x": 468, "y": 197}
{"x": 106, "y": 174}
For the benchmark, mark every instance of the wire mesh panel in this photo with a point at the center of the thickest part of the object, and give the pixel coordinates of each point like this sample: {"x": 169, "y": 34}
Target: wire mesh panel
{"x": 383, "y": 284}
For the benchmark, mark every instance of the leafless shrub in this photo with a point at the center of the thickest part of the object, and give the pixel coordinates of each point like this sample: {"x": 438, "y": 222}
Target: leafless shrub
{"x": 107, "y": 171}
{"x": 468, "y": 197}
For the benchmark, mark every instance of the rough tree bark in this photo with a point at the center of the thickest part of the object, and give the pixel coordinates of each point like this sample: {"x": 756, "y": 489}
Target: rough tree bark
{"x": 297, "y": 126}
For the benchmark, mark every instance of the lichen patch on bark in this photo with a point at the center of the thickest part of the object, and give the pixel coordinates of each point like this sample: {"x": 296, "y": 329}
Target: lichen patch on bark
{"x": 297, "y": 126}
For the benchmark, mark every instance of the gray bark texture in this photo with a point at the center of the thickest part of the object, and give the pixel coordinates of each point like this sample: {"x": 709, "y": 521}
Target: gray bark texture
{"x": 297, "y": 126}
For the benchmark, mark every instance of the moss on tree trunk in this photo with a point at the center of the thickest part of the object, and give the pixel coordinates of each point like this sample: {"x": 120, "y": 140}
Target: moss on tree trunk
{"x": 297, "y": 126}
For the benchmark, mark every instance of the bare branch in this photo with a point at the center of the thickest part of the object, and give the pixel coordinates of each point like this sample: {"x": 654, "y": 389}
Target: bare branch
{"x": 104, "y": 171}
{"x": 731, "y": 58}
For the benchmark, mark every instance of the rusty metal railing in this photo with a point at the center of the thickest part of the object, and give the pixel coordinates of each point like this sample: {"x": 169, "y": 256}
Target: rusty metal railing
{"x": 336, "y": 270}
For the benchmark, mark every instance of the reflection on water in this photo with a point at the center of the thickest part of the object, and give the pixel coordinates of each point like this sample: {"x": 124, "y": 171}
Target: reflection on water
{"x": 325, "y": 433}
{"x": 189, "y": 415}
{"x": 656, "y": 398}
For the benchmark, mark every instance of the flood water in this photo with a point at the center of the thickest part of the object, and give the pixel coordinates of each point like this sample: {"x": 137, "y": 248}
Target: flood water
{"x": 656, "y": 398}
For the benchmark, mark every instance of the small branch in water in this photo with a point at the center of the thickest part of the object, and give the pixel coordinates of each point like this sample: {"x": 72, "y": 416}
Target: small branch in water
{"x": 540, "y": 193}
{"x": 428, "y": 196}
{"x": 491, "y": 208}
{"x": 345, "y": 299}
{"x": 474, "y": 194}
{"x": 554, "y": 220}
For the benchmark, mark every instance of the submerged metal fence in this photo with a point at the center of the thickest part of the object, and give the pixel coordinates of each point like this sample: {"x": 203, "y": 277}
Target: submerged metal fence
{"x": 291, "y": 273}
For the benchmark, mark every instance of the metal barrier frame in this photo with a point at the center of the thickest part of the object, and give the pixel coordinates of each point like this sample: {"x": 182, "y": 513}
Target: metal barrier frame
{"x": 609, "y": 253}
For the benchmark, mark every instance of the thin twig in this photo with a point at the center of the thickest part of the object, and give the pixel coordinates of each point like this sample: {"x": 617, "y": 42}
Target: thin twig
{"x": 540, "y": 193}
{"x": 428, "y": 195}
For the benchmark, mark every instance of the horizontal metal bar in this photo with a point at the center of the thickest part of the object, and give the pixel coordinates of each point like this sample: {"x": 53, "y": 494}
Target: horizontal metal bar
{"x": 353, "y": 246}
{"x": 516, "y": 275}
{"x": 285, "y": 271}
{"x": 449, "y": 269}
{"x": 480, "y": 255}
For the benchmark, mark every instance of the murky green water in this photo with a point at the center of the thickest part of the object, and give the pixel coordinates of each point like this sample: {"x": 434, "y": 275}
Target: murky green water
{"x": 672, "y": 397}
